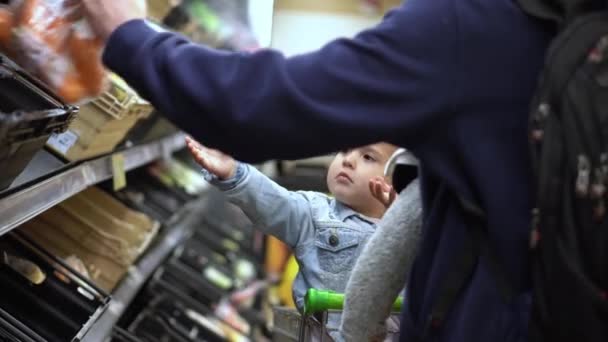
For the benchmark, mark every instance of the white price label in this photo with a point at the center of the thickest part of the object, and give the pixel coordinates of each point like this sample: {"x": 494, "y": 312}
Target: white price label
{"x": 63, "y": 142}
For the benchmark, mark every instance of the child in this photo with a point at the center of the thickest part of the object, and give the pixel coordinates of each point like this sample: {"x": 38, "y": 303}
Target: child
{"x": 383, "y": 265}
{"x": 326, "y": 234}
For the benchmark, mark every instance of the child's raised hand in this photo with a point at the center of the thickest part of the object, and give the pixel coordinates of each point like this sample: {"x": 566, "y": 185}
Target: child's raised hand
{"x": 214, "y": 161}
{"x": 382, "y": 191}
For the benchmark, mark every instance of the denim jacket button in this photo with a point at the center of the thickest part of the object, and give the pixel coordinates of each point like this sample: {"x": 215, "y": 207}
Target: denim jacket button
{"x": 333, "y": 240}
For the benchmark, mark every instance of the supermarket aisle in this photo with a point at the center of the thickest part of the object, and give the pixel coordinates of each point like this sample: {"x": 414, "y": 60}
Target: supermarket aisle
{"x": 108, "y": 232}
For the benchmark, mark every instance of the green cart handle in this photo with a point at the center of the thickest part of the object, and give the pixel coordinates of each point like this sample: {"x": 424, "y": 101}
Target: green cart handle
{"x": 318, "y": 301}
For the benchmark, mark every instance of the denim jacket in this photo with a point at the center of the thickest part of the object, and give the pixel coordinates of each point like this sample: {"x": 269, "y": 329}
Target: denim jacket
{"x": 325, "y": 235}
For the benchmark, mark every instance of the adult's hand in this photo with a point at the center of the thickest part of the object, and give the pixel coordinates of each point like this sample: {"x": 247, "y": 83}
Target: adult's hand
{"x": 105, "y": 16}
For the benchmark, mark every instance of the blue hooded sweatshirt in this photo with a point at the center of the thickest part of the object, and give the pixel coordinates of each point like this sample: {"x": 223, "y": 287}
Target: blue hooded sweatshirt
{"x": 451, "y": 80}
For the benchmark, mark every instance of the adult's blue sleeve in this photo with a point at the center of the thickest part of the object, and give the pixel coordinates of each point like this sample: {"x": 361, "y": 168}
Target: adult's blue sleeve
{"x": 391, "y": 83}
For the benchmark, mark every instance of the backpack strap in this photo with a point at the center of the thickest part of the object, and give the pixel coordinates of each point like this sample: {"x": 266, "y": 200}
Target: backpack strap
{"x": 476, "y": 245}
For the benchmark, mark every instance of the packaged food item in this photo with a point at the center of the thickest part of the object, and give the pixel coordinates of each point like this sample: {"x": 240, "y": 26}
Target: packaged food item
{"x": 43, "y": 38}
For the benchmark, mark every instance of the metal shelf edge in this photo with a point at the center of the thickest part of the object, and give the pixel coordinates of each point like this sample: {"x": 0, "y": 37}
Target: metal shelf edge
{"x": 26, "y": 204}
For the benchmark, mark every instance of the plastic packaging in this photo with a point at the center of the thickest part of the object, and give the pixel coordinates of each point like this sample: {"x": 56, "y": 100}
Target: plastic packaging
{"x": 41, "y": 36}
{"x": 29, "y": 114}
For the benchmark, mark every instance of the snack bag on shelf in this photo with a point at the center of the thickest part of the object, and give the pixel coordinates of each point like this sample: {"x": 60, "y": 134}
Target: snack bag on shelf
{"x": 64, "y": 53}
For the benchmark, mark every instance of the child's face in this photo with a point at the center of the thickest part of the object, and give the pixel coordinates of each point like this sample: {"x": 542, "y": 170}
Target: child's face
{"x": 349, "y": 174}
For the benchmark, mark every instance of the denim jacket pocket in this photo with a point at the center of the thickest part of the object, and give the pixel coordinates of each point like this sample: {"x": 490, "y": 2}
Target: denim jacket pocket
{"x": 337, "y": 249}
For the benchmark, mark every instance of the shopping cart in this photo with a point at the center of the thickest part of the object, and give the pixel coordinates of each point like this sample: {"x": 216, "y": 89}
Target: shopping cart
{"x": 291, "y": 326}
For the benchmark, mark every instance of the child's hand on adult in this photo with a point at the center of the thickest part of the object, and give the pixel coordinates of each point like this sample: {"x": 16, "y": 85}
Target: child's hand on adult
{"x": 382, "y": 191}
{"x": 214, "y": 161}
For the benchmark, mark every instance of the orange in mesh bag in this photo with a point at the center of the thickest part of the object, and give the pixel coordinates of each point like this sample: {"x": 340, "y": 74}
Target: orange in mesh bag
{"x": 6, "y": 26}
{"x": 63, "y": 53}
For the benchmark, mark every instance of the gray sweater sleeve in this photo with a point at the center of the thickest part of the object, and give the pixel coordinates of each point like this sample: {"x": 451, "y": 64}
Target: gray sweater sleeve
{"x": 382, "y": 268}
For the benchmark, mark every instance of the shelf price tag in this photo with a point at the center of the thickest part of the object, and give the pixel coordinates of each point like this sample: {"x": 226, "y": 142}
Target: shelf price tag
{"x": 118, "y": 171}
{"x": 63, "y": 142}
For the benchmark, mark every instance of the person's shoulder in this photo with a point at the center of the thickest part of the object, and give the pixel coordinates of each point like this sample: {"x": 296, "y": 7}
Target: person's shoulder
{"x": 445, "y": 11}
{"x": 418, "y": 10}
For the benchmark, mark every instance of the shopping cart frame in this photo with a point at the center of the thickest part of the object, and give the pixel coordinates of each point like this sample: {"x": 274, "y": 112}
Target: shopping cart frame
{"x": 291, "y": 326}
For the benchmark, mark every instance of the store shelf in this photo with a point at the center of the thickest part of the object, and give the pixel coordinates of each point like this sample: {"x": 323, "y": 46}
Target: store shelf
{"x": 25, "y": 204}
{"x": 176, "y": 229}
{"x": 44, "y": 163}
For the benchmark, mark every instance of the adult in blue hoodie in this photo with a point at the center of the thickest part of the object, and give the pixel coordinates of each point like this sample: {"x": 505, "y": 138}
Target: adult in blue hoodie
{"x": 451, "y": 80}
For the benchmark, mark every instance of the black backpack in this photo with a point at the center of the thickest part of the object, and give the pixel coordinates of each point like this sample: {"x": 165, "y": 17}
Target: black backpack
{"x": 569, "y": 148}
{"x": 569, "y": 145}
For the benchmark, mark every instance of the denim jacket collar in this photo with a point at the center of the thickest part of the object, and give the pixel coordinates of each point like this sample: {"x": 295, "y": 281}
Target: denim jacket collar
{"x": 343, "y": 212}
